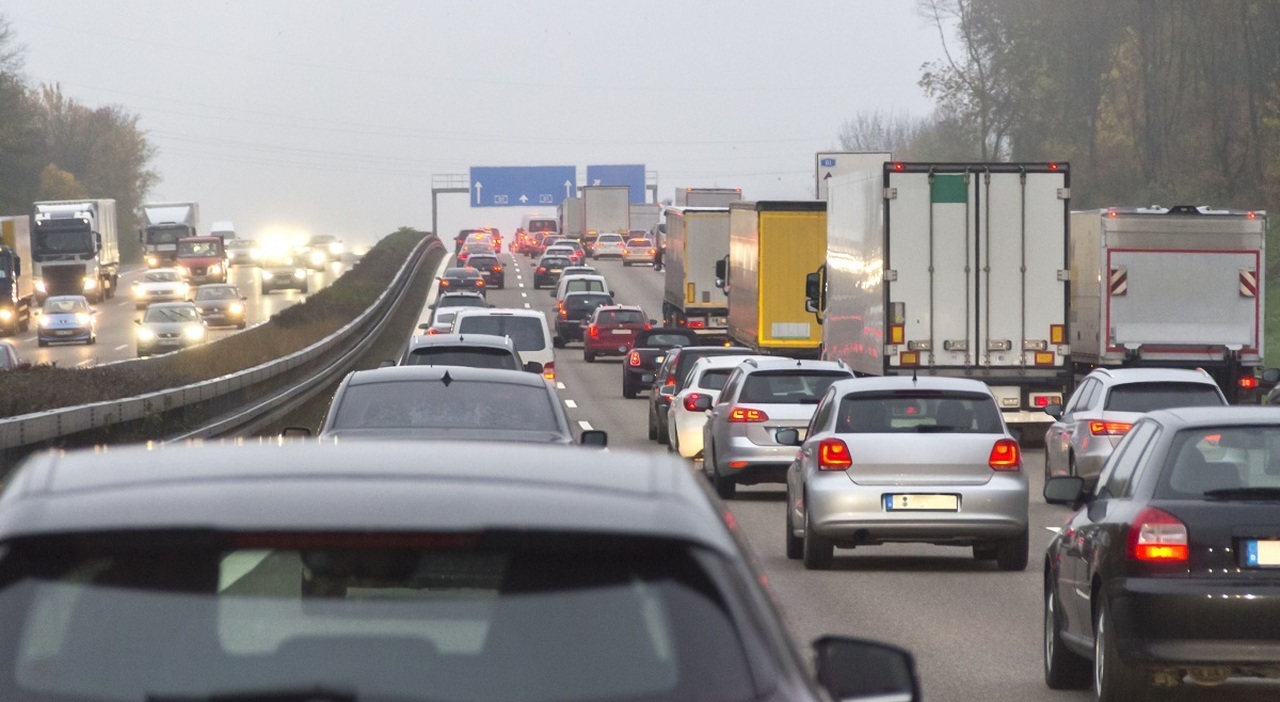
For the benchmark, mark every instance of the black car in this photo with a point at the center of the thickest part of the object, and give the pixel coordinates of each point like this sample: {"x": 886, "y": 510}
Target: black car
{"x": 572, "y": 310}
{"x": 491, "y": 268}
{"x": 221, "y": 303}
{"x": 1169, "y": 570}
{"x": 462, "y": 236}
{"x": 669, "y": 380}
{"x": 394, "y": 571}
{"x": 548, "y": 271}
{"x": 461, "y": 279}
{"x": 648, "y": 351}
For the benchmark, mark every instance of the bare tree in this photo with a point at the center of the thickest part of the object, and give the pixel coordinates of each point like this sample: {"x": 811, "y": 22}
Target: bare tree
{"x": 892, "y": 132}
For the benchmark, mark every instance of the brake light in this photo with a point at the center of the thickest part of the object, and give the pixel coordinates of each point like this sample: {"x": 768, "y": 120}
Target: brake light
{"x": 1005, "y": 456}
{"x": 634, "y": 358}
{"x": 594, "y": 332}
{"x": 1248, "y": 382}
{"x": 496, "y": 269}
{"x": 444, "y": 283}
{"x": 542, "y": 269}
{"x": 1156, "y": 535}
{"x": 549, "y": 370}
{"x": 480, "y": 283}
{"x": 833, "y": 454}
{"x": 747, "y": 415}
{"x": 697, "y": 324}
{"x": 1098, "y": 428}
{"x": 690, "y": 401}
{"x": 563, "y": 312}
{"x": 652, "y": 251}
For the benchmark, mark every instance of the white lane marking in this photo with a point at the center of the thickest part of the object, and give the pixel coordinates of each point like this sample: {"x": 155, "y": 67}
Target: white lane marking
{"x": 524, "y": 294}
{"x": 586, "y": 426}
{"x": 571, "y": 404}
{"x": 1054, "y": 529}
{"x": 122, "y": 347}
{"x": 559, "y": 385}
{"x": 87, "y": 363}
{"x": 527, "y": 305}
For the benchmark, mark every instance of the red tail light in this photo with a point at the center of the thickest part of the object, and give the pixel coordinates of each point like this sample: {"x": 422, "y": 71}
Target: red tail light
{"x": 549, "y": 370}
{"x": 697, "y": 324}
{"x": 480, "y": 283}
{"x": 563, "y": 312}
{"x": 634, "y": 358}
{"x": 652, "y": 251}
{"x": 671, "y": 380}
{"x": 1098, "y": 428}
{"x": 594, "y": 332}
{"x": 690, "y": 401}
{"x": 542, "y": 269}
{"x": 833, "y": 454}
{"x": 444, "y": 283}
{"x": 1156, "y": 535}
{"x": 1005, "y": 456}
{"x": 1248, "y": 382}
{"x": 747, "y": 415}
{"x": 496, "y": 269}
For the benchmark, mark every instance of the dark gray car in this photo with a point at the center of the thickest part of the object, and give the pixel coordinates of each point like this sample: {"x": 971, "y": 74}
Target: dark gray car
{"x": 381, "y": 571}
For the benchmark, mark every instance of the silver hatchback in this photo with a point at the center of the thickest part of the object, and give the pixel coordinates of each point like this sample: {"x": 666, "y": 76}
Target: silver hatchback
{"x": 899, "y": 459}
{"x": 761, "y": 397}
{"x": 1108, "y": 402}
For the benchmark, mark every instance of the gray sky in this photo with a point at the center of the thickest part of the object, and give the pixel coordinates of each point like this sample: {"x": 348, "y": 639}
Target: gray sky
{"x": 330, "y": 116}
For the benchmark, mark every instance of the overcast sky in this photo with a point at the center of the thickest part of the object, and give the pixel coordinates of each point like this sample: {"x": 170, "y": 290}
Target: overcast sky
{"x": 333, "y": 117}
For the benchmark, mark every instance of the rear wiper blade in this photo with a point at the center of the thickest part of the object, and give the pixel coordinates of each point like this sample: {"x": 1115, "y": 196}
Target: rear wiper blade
{"x": 1244, "y": 493}
{"x": 311, "y": 694}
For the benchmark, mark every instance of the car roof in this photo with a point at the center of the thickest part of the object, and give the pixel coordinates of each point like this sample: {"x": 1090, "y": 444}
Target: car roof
{"x": 1148, "y": 375}
{"x": 454, "y": 486}
{"x": 891, "y": 383}
{"x": 459, "y": 293}
{"x": 418, "y": 374}
{"x": 500, "y": 312}
{"x": 584, "y": 276}
{"x": 59, "y": 298}
{"x": 775, "y": 363}
{"x": 163, "y": 305}
{"x": 462, "y": 270}
{"x": 615, "y": 308}
{"x": 215, "y": 286}
{"x": 478, "y": 340}
{"x": 1211, "y": 415}
{"x": 729, "y": 361}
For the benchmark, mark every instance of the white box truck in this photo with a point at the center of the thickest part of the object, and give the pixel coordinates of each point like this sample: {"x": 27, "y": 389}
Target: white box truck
{"x": 953, "y": 270}
{"x": 645, "y": 217}
{"x": 697, "y": 237}
{"x": 74, "y": 248}
{"x": 569, "y": 217}
{"x": 706, "y": 197}
{"x": 163, "y": 223}
{"x": 1171, "y": 287}
{"x": 605, "y": 208}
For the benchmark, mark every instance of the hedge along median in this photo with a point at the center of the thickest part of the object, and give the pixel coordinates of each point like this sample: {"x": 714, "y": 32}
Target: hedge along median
{"x": 47, "y": 387}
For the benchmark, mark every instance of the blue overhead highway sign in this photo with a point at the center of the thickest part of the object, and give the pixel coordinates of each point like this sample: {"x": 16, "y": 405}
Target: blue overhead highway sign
{"x": 522, "y": 186}
{"x": 632, "y": 175}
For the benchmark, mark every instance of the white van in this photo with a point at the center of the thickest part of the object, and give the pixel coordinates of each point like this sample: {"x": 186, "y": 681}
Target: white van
{"x": 540, "y": 224}
{"x": 581, "y": 282}
{"x": 527, "y": 329}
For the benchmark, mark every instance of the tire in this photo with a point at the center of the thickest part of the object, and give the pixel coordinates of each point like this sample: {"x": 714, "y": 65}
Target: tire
{"x": 628, "y": 391}
{"x": 653, "y": 424}
{"x": 92, "y": 340}
{"x": 1063, "y": 670}
{"x": 304, "y": 288}
{"x": 1012, "y": 554}
{"x": 1113, "y": 679}
{"x": 664, "y": 433}
{"x": 41, "y": 342}
{"x": 817, "y": 552}
{"x": 557, "y": 342}
{"x": 725, "y": 488}
{"x": 242, "y": 325}
{"x": 795, "y": 544}
{"x": 590, "y": 357}
{"x": 984, "y": 552}
{"x": 626, "y": 264}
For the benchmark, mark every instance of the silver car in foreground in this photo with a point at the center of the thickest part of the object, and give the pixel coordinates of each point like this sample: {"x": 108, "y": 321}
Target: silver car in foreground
{"x": 901, "y": 459}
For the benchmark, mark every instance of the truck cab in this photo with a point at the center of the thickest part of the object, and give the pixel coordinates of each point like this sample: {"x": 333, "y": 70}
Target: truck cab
{"x": 203, "y": 259}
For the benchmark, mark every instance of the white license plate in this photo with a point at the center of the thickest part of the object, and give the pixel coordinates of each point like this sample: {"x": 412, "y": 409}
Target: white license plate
{"x": 936, "y": 503}
{"x": 659, "y": 360}
{"x": 621, "y": 331}
{"x": 1259, "y": 553}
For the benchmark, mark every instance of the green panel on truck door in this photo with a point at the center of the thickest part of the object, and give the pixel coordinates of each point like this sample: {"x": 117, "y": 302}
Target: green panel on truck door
{"x": 949, "y": 188}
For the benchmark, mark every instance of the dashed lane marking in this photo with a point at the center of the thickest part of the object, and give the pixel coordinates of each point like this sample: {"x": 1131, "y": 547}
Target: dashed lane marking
{"x": 586, "y": 426}
{"x": 559, "y": 385}
{"x": 571, "y": 404}
{"x": 122, "y": 347}
{"x": 1053, "y": 529}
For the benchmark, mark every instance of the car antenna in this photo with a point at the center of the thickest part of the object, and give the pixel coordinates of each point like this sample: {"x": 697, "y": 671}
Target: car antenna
{"x": 913, "y": 375}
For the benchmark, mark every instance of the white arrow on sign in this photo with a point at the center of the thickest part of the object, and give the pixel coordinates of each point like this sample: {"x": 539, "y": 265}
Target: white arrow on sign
{"x": 596, "y": 181}
{"x": 568, "y": 185}
{"x": 523, "y": 199}
{"x": 478, "y": 186}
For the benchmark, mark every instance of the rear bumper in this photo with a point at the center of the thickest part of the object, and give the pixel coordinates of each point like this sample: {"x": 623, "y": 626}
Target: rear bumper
{"x": 569, "y": 331}
{"x": 1179, "y": 621}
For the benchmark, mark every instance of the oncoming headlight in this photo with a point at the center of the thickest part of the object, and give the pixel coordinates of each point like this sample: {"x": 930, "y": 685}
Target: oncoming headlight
{"x": 193, "y": 332}
{"x": 145, "y": 334}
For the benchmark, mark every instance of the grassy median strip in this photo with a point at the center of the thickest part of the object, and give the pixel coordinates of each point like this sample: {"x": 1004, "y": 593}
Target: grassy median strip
{"x": 47, "y": 386}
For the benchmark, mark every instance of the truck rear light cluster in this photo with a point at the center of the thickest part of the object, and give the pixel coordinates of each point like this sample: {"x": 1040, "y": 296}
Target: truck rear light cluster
{"x": 747, "y": 415}
{"x": 1101, "y": 428}
{"x": 1156, "y": 535}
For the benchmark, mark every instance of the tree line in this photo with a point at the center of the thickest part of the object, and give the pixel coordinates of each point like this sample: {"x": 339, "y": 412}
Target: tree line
{"x": 53, "y": 147}
{"x": 1168, "y": 102}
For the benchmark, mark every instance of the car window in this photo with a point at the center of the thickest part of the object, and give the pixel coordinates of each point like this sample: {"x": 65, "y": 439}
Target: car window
{"x": 661, "y": 340}
{"x": 714, "y": 378}
{"x": 1080, "y": 400}
{"x": 161, "y": 276}
{"x": 204, "y": 293}
{"x": 1205, "y": 459}
{"x": 1148, "y": 397}
{"x": 579, "y": 303}
{"x": 526, "y": 332}
{"x": 620, "y": 317}
{"x": 171, "y": 314}
{"x": 470, "y": 356}
{"x": 584, "y": 285}
{"x": 918, "y": 412}
{"x": 822, "y": 415}
{"x": 554, "y": 262}
{"x": 787, "y": 387}
{"x": 729, "y": 392}
{"x": 526, "y": 617}
{"x": 437, "y": 405}
{"x": 461, "y": 301}
{"x": 1116, "y": 479}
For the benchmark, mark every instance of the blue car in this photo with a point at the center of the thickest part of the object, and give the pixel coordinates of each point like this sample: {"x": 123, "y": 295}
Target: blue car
{"x": 67, "y": 318}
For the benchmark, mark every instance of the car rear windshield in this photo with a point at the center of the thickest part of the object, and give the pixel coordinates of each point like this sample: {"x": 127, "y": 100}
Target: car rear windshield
{"x": 787, "y": 387}
{"x": 526, "y": 332}
{"x": 461, "y": 301}
{"x": 554, "y": 262}
{"x": 581, "y": 285}
{"x": 435, "y": 404}
{"x": 471, "y": 356}
{"x": 446, "y": 617}
{"x": 1148, "y": 397}
{"x": 1225, "y": 459}
{"x": 663, "y": 340}
{"x": 918, "y": 412}
{"x": 579, "y": 303}
{"x": 542, "y": 225}
{"x": 620, "y": 317}
{"x": 483, "y": 263}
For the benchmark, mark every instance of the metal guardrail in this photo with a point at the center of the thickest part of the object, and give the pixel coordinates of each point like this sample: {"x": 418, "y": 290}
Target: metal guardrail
{"x": 40, "y": 428}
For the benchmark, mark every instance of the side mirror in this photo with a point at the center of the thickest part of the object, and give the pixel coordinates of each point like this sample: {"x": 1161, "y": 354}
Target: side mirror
{"x": 653, "y": 322}
{"x": 1054, "y": 410}
{"x": 1271, "y": 375}
{"x": 855, "y": 669}
{"x": 787, "y": 437}
{"x": 702, "y": 404}
{"x": 610, "y": 293}
{"x": 533, "y": 367}
{"x": 666, "y": 390}
{"x": 425, "y": 326}
{"x": 594, "y": 437}
{"x": 295, "y": 433}
{"x": 1065, "y": 490}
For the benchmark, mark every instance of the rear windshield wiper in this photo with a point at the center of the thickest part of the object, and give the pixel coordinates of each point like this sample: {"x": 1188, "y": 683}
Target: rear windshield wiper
{"x": 1244, "y": 493}
{"x": 311, "y": 694}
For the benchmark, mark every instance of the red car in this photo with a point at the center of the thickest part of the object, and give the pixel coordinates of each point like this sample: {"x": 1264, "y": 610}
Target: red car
{"x": 612, "y": 330}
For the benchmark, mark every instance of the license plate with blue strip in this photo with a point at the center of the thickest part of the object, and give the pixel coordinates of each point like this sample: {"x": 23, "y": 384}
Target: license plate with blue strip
{"x": 1261, "y": 553}
{"x": 921, "y": 502}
